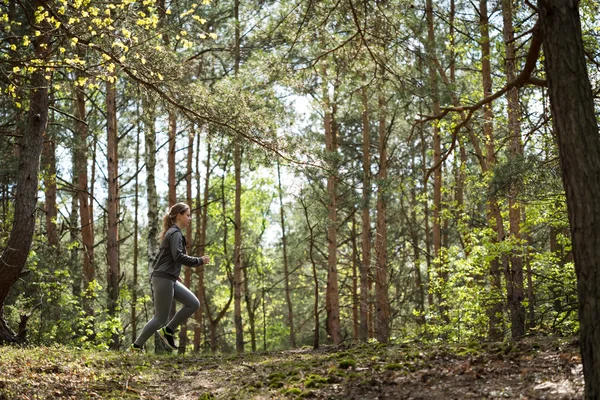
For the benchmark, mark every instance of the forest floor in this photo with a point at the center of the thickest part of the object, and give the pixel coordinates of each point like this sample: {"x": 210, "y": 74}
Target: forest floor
{"x": 533, "y": 368}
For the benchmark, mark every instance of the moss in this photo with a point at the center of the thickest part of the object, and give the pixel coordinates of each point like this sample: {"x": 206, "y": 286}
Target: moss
{"x": 256, "y": 384}
{"x": 314, "y": 381}
{"x": 292, "y": 391}
{"x": 276, "y": 384}
{"x": 206, "y": 396}
{"x": 369, "y": 383}
{"x": 276, "y": 376}
{"x": 348, "y": 363}
{"x": 394, "y": 367}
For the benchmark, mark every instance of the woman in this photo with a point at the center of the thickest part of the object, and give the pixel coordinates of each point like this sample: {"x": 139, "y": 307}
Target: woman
{"x": 165, "y": 279}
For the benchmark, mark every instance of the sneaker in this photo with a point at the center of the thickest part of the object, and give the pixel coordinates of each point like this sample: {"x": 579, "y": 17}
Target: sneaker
{"x": 135, "y": 348}
{"x": 167, "y": 337}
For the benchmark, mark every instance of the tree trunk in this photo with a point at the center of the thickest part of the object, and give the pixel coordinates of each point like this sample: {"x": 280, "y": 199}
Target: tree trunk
{"x": 202, "y": 239}
{"x": 437, "y": 159}
{"x": 150, "y": 159}
{"x": 136, "y": 203}
{"x": 514, "y": 276}
{"x": 214, "y": 322}
{"x": 366, "y": 220}
{"x": 75, "y": 262}
{"x": 426, "y": 213}
{"x": 288, "y": 297}
{"x": 530, "y": 292}
{"x": 576, "y": 130}
{"x": 49, "y": 174}
{"x": 313, "y": 262}
{"x": 171, "y": 157}
{"x": 237, "y": 268}
{"x": 381, "y": 280}
{"x": 14, "y": 256}
{"x": 332, "y": 292}
{"x": 414, "y": 233}
{"x": 81, "y": 159}
{"x": 187, "y": 280}
{"x": 355, "y": 295}
{"x": 494, "y": 216}
{"x": 250, "y": 309}
{"x": 113, "y": 269}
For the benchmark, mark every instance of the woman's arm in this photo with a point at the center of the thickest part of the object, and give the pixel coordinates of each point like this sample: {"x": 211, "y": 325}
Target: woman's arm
{"x": 177, "y": 251}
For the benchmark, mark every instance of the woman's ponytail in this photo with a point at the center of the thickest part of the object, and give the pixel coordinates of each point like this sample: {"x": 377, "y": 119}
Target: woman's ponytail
{"x": 171, "y": 217}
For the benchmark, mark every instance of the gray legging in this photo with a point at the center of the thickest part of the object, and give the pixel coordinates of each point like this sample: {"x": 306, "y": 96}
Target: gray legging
{"x": 165, "y": 291}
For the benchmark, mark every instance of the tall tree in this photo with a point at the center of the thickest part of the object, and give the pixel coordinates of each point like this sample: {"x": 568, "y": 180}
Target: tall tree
{"x": 576, "y": 128}
{"x": 494, "y": 215}
{"x": 366, "y": 218}
{"x": 381, "y": 277}
{"x": 172, "y": 173}
{"x": 49, "y": 168}
{"x": 112, "y": 149}
{"x": 313, "y": 262}
{"x": 332, "y": 302}
{"x": 286, "y": 273}
{"x": 514, "y": 274}
{"x": 86, "y": 217}
{"x": 15, "y": 254}
{"x": 183, "y": 333}
{"x": 149, "y": 107}
{"x": 437, "y": 156}
{"x": 201, "y": 227}
{"x": 237, "y": 161}
{"x": 136, "y": 206}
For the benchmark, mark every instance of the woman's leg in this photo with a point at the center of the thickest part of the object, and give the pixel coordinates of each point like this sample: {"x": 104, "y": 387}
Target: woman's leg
{"x": 190, "y": 305}
{"x": 163, "y": 290}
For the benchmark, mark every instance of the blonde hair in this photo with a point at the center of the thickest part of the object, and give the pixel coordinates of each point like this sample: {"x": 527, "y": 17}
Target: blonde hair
{"x": 171, "y": 217}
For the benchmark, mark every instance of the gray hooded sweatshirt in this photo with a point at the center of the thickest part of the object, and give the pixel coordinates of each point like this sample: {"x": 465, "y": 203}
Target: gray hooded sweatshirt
{"x": 172, "y": 255}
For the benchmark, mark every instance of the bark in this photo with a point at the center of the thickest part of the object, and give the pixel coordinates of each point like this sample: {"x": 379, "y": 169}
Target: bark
{"x": 514, "y": 275}
{"x": 288, "y": 297}
{"x": 414, "y": 233}
{"x": 81, "y": 159}
{"x": 381, "y": 279}
{"x": 366, "y": 220}
{"x": 201, "y": 237}
{"x": 237, "y": 268}
{"x": 437, "y": 159}
{"x": 313, "y": 262}
{"x": 75, "y": 262}
{"x": 530, "y": 292}
{"x": 49, "y": 167}
{"x": 332, "y": 304}
{"x": 187, "y": 280}
{"x": 493, "y": 212}
{"x": 150, "y": 159}
{"x": 576, "y": 129}
{"x": 430, "y": 300}
{"x": 171, "y": 157}
{"x": 355, "y": 295}
{"x": 113, "y": 269}
{"x": 214, "y": 322}
{"x": 136, "y": 203}
{"x": 14, "y": 255}
{"x": 251, "y": 314}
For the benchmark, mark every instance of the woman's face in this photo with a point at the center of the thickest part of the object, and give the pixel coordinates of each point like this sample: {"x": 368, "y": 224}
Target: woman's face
{"x": 184, "y": 219}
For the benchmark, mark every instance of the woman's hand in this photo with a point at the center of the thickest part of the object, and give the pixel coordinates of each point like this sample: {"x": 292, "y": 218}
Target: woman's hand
{"x": 205, "y": 259}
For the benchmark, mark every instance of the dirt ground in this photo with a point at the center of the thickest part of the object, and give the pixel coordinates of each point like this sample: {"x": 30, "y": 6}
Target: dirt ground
{"x": 530, "y": 369}
{"x": 534, "y": 368}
